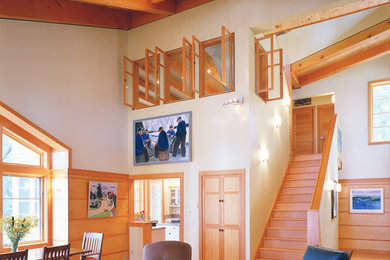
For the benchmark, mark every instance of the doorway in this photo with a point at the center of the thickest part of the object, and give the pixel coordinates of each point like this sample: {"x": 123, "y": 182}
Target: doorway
{"x": 222, "y": 215}
{"x": 311, "y": 121}
{"x": 159, "y": 198}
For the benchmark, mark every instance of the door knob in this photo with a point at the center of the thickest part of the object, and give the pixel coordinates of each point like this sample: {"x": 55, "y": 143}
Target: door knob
{"x": 322, "y": 138}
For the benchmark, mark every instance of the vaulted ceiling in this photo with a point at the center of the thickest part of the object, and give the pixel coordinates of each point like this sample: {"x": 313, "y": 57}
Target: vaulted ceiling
{"x": 116, "y": 14}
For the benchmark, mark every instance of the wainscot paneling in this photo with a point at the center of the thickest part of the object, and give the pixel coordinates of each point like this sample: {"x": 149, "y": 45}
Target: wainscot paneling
{"x": 115, "y": 229}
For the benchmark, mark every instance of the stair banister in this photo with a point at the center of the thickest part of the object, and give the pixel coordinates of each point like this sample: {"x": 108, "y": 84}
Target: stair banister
{"x": 313, "y": 222}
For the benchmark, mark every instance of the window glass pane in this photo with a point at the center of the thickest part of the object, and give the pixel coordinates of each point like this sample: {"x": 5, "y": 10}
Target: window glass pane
{"x": 22, "y": 196}
{"x": 381, "y": 120}
{"x": 381, "y": 134}
{"x": 15, "y": 152}
{"x": 381, "y": 106}
{"x": 381, "y": 92}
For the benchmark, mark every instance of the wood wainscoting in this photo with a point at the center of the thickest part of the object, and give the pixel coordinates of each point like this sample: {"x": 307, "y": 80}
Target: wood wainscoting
{"x": 115, "y": 229}
{"x": 364, "y": 232}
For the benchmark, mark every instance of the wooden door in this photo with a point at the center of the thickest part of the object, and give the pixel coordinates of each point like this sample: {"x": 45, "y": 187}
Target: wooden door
{"x": 324, "y": 117}
{"x": 222, "y": 215}
{"x": 303, "y": 130}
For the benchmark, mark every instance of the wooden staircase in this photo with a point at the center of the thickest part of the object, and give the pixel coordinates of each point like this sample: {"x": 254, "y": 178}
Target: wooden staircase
{"x": 285, "y": 234}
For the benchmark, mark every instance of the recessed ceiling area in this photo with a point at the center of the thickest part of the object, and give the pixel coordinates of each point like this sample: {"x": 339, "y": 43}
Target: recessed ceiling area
{"x": 114, "y": 14}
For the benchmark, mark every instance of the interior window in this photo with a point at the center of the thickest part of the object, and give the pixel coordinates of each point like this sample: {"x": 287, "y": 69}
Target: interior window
{"x": 379, "y": 112}
{"x": 23, "y": 196}
{"x": 216, "y": 68}
{"x": 16, "y": 152}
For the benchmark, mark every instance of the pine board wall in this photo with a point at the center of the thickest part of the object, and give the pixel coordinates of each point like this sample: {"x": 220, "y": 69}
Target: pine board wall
{"x": 115, "y": 229}
{"x": 360, "y": 231}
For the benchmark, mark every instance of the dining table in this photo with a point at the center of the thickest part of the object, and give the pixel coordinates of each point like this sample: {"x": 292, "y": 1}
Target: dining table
{"x": 36, "y": 253}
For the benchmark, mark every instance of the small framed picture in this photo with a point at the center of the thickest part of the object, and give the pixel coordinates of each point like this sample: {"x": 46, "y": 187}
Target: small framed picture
{"x": 366, "y": 200}
{"x": 334, "y": 203}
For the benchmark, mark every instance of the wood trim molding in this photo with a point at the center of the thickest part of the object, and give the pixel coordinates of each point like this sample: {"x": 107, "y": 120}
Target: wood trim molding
{"x": 96, "y": 174}
{"x": 158, "y": 176}
{"x": 364, "y": 181}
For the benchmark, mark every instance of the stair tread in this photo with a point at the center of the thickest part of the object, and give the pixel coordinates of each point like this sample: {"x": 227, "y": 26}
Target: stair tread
{"x": 283, "y": 249}
{"x": 303, "y": 179}
{"x": 293, "y": 201}
{"x": 298, "y": 186}
{"x": 287, "y": 228}
{"x": 294, "y": 219}
{"x": 286, "y": 238}
{"x": 305, "y": 210}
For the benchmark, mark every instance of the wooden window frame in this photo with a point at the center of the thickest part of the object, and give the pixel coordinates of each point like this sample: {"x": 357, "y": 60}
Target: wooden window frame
{"x": 23, "y": 170}
{"x": 202, "y": 69}
{"x": 371, "y": 86}
{"x": 262, "y": 67}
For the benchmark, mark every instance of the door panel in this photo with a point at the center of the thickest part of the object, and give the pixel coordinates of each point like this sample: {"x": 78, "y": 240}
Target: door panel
{"x": 303, "y": 124}
{"x": 324, "y": 117}
{"x": 231, "y": 238}
{"x": 211, "y": 201}
{"x": 211, "y": 244}
{"x": 231, "y": 183}
{"x": 231, "y": 209}
{"x": 211, "y": 184}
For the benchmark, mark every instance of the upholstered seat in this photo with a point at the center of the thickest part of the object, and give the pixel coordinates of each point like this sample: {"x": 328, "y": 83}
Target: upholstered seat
{"x": 167, "y": 250}
{"x": 321, "y": 253}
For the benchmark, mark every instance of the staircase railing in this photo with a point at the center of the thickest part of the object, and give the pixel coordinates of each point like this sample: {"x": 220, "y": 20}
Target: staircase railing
{"x": 313, "y": 221}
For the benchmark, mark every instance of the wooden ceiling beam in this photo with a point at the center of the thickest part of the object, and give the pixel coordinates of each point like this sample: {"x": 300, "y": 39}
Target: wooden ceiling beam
{"x": 373, "y": 52}
{"x": 326, "y": 15}
{"x": 363, "y": 37}
{"x": 65, "y": 12}
{"x": 139, "y": 19}
{"x": 166, "y": 7}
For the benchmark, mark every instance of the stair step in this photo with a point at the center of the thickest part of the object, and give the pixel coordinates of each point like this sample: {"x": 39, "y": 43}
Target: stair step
{"x": 293, "y": 205}
{"x": 301, "y": 175}
{"x": 299, "y": 183}
{"x": 281, "y": 253}
{"x": 306, "y": 163}
{"x": 288, "y": 222}
{"x": 296, "y": 190}
{"x": 286, "y": 232}
{"x": 295, "y": 197}
{"x": 307, "y": 157}
{"x": 288, "y": 213}
{"x": 303, "y": 169}
{"x": 283, "y": 242}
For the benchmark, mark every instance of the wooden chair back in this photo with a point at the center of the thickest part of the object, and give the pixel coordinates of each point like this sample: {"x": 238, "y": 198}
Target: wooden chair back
{"x": 92, "y": 241}
{"x": 56, "y": 252}
{"x": 21, "y": 255}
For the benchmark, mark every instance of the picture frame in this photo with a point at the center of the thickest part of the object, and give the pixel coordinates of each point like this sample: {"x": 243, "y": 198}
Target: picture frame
{"x": 148, "y": 151}
{"x": 366, "y": 200}
{"x": 102, "y": 198}
{"x": 334, "y": 199}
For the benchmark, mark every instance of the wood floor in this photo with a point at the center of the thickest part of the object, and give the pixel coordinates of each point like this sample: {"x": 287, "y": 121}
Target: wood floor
{"x": 370, "y": 256}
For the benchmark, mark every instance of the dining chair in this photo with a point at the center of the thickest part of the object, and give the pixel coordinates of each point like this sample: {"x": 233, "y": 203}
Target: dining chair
{"x": 92, "y": 241}
{"x": 172, "y": 250}
{"x": 56, "y": 252}
{"x": 21, "y": 255}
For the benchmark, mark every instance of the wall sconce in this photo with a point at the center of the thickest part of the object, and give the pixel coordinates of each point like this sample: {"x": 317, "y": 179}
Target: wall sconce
{"x": 337, "y": 187}
{"x": 277, "y": 122}
{"x": 264, "y": 155}
{"x": 233, "y": 102}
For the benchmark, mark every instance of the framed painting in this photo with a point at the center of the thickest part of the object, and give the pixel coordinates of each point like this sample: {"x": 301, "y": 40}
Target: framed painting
{"x": 102, "y": 199}
{"x": 366, "y": 200}
{"x": 163, "y": 139}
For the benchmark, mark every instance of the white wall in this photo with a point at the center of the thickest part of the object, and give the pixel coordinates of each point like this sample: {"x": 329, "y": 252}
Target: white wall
{"x": 67, "y": 80}
{"x": 329, "y": 228}
{"x": 224, "y": 138}
{"x": 360, "y": 160}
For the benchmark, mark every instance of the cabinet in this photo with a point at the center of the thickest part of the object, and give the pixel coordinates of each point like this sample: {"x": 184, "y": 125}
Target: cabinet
{"x": 175, "y": 196}
{"x": 222, "y": 215}
{"x": 172, "y": 233}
